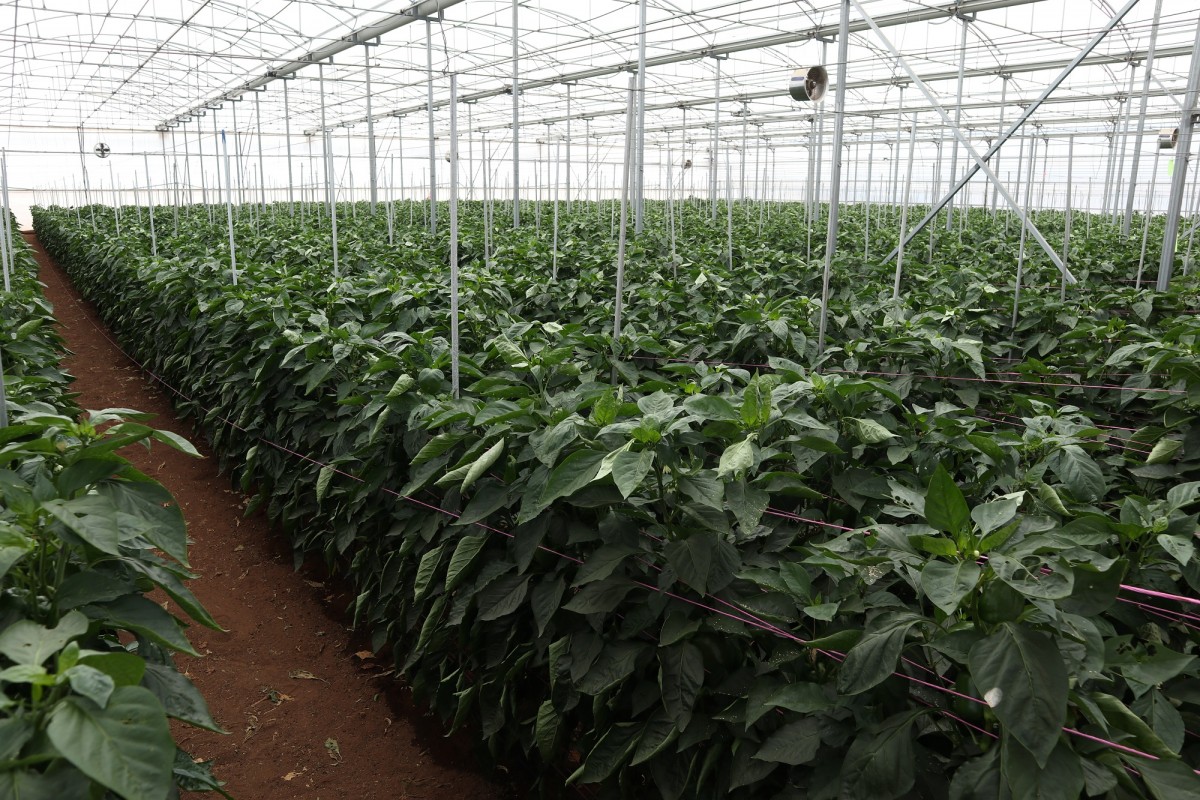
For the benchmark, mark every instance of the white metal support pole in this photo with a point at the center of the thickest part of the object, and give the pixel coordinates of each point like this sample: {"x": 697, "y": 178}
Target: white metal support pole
{"x": 1066, "y": 251}
{"x": 557, "y": 178}
{"x": 371, "y": 155}
{"x": 870, "y": 170}
{"x": 1123, "y": 152}
{"x": 912, "y": 149}
{"x": 262, "y": 183}
{"x": 328, "y": 170}
{"x": 150, "y": 204}
{"x": 712, "y": 185}
{"x": 1183, "y": 149}
{"x": 237, "y": 155}
{"x": 1146, "y": 221}
{"x": 1148, "y": 73}
{"x": 981, "y": 161}
{"x": 200, "y": 158}
{"x": 454, "y": 235}
{"x": 229, "y": 210}
{"x": 432, "y": 144}
{"x": 333, "y": 217}
{"x": 639, "y": 173}
{"x": 835, "y": 181}
{"x": 287, "y": 139}
{"x": 1024, "y": 232}
{"x": 620, "y": 298}
{"x": 1004, "y": 78}
{"x": 893, "y": 195}
{"x": 516, "y": 119}
{"x": 962, "y": 66}
{"x": 728, "y": 209}
{"x": 570, "y": 207}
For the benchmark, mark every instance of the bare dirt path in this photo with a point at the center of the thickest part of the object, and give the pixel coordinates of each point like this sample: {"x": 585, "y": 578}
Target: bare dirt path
{"x": 307, "y": 716}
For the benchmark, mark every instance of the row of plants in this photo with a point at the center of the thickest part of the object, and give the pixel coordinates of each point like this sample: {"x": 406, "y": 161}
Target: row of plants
{"x": 703, "y": 559}
{"x": 87, "y": 682}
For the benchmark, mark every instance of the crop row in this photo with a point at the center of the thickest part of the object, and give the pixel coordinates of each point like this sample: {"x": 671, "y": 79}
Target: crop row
{"x": 704, "y": 557}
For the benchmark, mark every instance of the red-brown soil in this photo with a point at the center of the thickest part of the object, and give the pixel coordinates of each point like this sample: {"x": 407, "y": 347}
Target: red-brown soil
{"x": 310, "y": 715}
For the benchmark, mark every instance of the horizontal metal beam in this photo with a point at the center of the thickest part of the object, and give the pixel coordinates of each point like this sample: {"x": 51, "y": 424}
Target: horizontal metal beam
{"x": 827, "y": 32}
{"x": 415, "y": 12}
{"x": 979, "y": 72}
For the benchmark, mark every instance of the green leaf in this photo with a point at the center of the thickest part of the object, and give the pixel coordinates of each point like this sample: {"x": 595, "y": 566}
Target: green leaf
{"x": 737, "y": 458}
{"x": 946, "y": 584}
{"x": 502, "y": 596}
{"x": 92, "y": 517}
{"x": 680, "y": 677}
{"x": 996, "y": 514}
{"x": 576, "y": 471}
{"x": 703, "y": 561}
{"x": 323, "y": 479}
{"x": 546, "y": 730}
{"x": 657, "y": 734}
{"x": 1080, "y": 473}
{"x": 601, "y": 563}
{"x": 126, "y": 669}
{"x": 464, "y": 556}
{"x": 615, "y": 663}
{"x": 483, "y": 464}
{"x": 1167, "y": 779}
{"x": 1163, "y": 450}
{"x": 1180, "y": 548}
{"x": 160, "y": 521}
{"x": 426, "y": 570}
{"x": 873, "y": 659}
{"x": 629, "y": 469}
{"x": 945, "y": 507}
{"x": 757, "y": 402}
{"x": 179, "y": 696}
{"x": 1059, "y": 778}
{"x": 795, "y": 743}
{"x": 711, "y": 407}
{"x": 879, "y": 764}
{"x": 144, "y": 617}
{"x": 126, "y": 747}
{"x": 26, "y": 642}
{"x": 608, "y": 755}
{"x": 747, "y": 504}
{"x": 545, "y": 599}
{"x": 1020, "y": 674}
{"x": 91, "y": 683}
{"x": 14, "y": 546}
{"x": 868, "y": 431}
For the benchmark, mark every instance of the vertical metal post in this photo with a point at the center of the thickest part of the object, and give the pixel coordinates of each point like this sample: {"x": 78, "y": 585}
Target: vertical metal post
{"x": 912, "y": 149}
{"x": 328, "y": 170}
{"x": 1148, "y": 73}
{"x": 262, "y": 183}
{"x": 962, "y": 66}
{"x": 200, "y": 158}
{"x": 333, "y": 217}
{"x": 432, "y": 144}
{"x": 287, "y": 138}
{"x": 728, "y": 209}
{"x": 516, "y": 121}
{"x": 1111, "y": 170}
{"x": 1062, "y": 291}
{"x": 454, "y": 234}
{"x": 620, "y": 299}
{"x": 557, "y": 177}
{"x": 895, "y": 188}
{"x": 870, "y": 170}
{"x": 1000, "y": 132}
{"x": 237, "y": 155}
{"x": 712, "y": 185}
{"x": 1166, "y": 264}
{"x": 229, "y": 210}
{"x": 835, "y": 184}
{"x": 1116, "y": 200}
{"x": 374, "y": 180}
{"x": 639, "y": 173}
{"x": 1146, "y": 221}
{"x": 569, "y": 206}
{"x": 1024, "y": 231}
{"x": 150, "y": 204}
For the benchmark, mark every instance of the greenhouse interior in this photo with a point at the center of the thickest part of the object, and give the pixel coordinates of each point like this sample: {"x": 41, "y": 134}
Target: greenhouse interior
{"x": 600, "y": 399}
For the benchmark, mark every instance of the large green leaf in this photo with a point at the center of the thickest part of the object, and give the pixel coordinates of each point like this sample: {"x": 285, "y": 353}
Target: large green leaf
{"x": 26, "y": 642}
{"x": 947, "y": 583}
{"x": 1059, "y": 778}
{"x": 945, "y": 507}
{"x": 880, "y": 764}
{"x": 575, "y": 472}
{"x": 877, "y": 653}
{"x": 126, "y": 746}
{"x": 681, "y": 674}
{"x": 1020, "y": 673}
{"x": 1080, "y": 473}
{"x": 794, "y": 743}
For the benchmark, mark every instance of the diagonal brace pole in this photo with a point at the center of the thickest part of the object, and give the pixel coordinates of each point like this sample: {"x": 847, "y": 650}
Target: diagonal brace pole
{"x": 966, "y": 144}
{"x": 1025, "y": 115}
